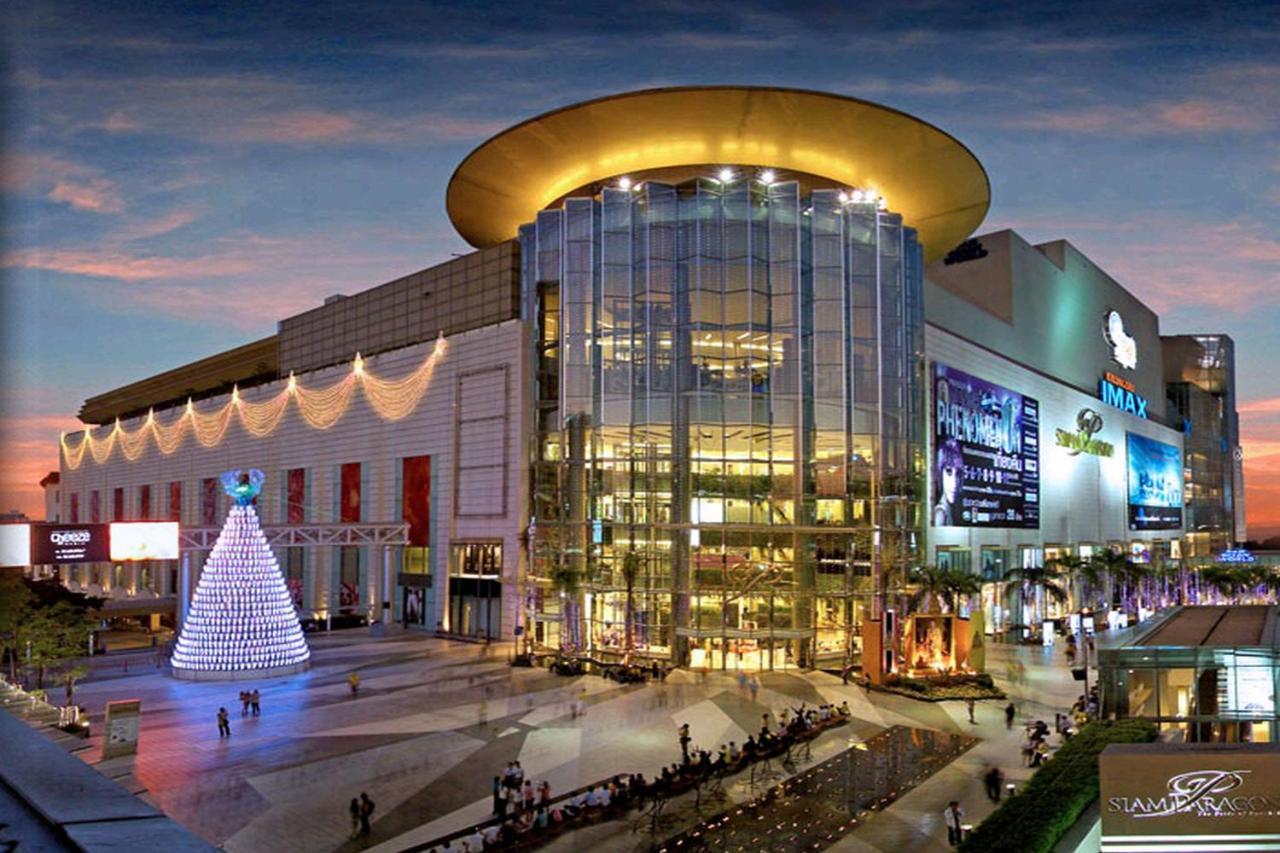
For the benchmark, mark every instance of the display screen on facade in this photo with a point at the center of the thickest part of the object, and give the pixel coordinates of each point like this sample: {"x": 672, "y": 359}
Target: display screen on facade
{"x": 1155, "y": 484}
{"x": 986, "y": 453}
{"x": 15, "y": 544}
{"x": 144, "y": 540}
{"x": 56, "y": 544}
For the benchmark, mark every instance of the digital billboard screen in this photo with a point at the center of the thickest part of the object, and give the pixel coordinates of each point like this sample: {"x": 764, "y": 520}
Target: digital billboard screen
{"x": 144, "y": 540}
{"x": 1155, "y": 484}
{"x": 986, "y": 453}
{"x": 15, "y": 544}
{"x": 57, "y": 544}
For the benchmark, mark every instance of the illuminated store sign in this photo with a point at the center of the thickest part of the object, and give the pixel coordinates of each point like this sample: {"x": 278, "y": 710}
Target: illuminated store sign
{"x": 1199, "y": 792}
{"x": 1088, "y": 424}
{"x": 1124, "y": 349}
{"x": 1179, "y": 797}
{"x": 1155, "y": 484}
{"x": 1119, "y": 392}
{"x": 55, "y": 544}
{"x": 986, "y": 453}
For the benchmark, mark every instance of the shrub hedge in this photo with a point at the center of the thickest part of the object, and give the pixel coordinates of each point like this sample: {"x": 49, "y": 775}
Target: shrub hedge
{"x": 1036, "y": 818}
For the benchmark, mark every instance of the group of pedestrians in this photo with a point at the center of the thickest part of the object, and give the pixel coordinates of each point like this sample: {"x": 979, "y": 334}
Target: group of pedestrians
{"x": 513, "y": 793}
{"x": 250, "y": 703}
{"x": 361, "y": 809}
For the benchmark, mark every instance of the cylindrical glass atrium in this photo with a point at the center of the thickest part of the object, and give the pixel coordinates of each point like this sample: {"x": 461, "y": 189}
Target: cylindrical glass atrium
{"x": 728, "y": 451}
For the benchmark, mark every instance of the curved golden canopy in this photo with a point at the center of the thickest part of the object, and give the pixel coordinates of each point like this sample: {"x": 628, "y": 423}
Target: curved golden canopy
{"x": 929, "y": 177}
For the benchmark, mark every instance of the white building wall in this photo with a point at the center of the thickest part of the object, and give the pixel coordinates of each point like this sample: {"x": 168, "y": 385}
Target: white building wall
{"x": 361, "y": 435}
{"x": 1084, "y": 498}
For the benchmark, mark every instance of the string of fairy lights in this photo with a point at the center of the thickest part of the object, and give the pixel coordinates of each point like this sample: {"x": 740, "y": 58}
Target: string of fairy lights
{"x": 320, "y": 408}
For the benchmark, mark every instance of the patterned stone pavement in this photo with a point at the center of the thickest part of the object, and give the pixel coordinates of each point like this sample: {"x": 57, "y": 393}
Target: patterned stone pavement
{"x": 435, "y": 720}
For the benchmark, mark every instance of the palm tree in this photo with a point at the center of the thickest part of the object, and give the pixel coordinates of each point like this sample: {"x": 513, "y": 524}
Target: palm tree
{"x": 1029, "y": 579}
{"x": 630, "y": 571}
{"x": 946, "y": 586}
{"x": 1077, "y": 574}
{"x": 567, "y": 582}
{"x": 1112, "y": 566}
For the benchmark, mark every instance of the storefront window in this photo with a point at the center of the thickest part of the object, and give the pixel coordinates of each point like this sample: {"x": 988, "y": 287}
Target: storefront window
{"x": 1142, "y": 693}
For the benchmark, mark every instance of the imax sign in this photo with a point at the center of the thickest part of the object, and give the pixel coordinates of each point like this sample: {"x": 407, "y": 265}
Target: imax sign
{"x": 1118, "y": 392}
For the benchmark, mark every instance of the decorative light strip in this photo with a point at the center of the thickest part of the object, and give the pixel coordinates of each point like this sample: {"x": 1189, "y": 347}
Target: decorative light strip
{"x": 321, "y": 408}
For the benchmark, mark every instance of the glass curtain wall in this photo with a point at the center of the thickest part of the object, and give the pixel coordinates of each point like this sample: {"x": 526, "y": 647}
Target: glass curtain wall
{"x": 729, "y": 449}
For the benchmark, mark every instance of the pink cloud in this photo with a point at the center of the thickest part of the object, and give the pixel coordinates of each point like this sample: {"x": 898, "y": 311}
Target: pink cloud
{"x": 96, "y": 195}
{"x": 1268, "y": 405}
{"x": 80, "y": 186}
{"x": 124, "y": 266}
{"x": 302, "y": 126}
{"x": 1202, "y": 115}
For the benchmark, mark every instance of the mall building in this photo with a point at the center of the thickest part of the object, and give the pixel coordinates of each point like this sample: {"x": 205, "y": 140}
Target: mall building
{"x": 726, "y": 364}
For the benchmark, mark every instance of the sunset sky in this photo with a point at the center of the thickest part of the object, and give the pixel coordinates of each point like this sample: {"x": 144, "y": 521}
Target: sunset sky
{"x": 177, "y": 177}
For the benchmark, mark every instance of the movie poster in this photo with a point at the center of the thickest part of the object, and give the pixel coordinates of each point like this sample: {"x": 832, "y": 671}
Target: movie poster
{"x": 1155, "y": 484}
{"x": 986, "y": 453}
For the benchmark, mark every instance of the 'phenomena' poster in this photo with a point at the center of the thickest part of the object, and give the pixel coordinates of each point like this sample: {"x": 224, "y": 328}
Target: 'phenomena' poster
{"x": 986, "y": 453}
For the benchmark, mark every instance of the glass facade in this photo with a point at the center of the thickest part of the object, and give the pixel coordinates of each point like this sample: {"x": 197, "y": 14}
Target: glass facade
{"x": 1196, "y": 694}
{"x": 729, "y": 443}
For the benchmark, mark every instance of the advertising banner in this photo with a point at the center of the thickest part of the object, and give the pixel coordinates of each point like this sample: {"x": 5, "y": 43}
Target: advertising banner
{"x": 123, "y": 718}
{"x": 144, "y": 540}
{"x": 15, "y": 545}
{"x": 986, "y": 453}
{"x": 1155, "y": 484}
{"x": 57, "y": 544}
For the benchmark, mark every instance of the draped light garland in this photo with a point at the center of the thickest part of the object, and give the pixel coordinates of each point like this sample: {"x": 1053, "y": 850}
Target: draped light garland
{"x": 391, "y": 399}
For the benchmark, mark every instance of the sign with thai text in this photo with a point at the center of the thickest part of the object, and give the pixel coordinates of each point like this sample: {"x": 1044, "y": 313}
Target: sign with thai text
{"x": 986, "y": 453}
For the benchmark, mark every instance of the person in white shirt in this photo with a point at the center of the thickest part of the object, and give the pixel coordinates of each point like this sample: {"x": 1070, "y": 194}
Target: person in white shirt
{"x": 954, "y": 817}
{"x": 604, "y": 797}
{"x": 593, "y": 799}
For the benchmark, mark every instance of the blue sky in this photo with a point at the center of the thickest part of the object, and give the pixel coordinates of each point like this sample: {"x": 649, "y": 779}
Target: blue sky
{"x": 178, "y": 177}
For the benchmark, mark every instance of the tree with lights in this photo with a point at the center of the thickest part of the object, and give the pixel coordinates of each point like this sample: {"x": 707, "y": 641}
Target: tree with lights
{"x": 241, "y": 623}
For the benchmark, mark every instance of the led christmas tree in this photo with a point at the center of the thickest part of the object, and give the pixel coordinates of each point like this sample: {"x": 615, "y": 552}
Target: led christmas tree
{"x": 241, "y": 624}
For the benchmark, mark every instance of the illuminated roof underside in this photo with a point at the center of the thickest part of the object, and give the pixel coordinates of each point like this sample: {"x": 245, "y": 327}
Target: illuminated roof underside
{"x": 938, "y": 186}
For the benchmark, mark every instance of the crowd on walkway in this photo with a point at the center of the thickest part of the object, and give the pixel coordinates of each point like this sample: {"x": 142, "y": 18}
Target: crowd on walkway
{"x": 526, "y": 814}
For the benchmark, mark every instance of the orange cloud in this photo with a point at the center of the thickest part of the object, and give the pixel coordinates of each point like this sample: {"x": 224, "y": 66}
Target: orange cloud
{"x": 28, "y": 451}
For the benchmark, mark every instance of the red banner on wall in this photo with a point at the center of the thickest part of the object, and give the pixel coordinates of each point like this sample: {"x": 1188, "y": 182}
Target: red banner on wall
{"x": 117, "y": 504}
{"x": 209, "y": 501}
{"x": 144, "y": 502}
{"x": 416, "y": 499}
{"x": 95, "y": 509}
{"x": 297, "y": 495}
{"x": 175, "y": 501}
{"x": 350, "y": 485}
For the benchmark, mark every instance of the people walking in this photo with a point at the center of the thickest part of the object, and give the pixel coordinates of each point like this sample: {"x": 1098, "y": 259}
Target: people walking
{"x": 254, "y": 700}
{"x": 1009, "y": 713}
{"x": 353, "y": 681}
{"x": 994, "y": 781}
{"x": 244, "y": 703}
{"x": 755, "y": 687}
{"x": 684, "y": 742}
{"x": 366, "y": 812}
{"x": 954, "y": 817}
{"x": 354, "y": 808}
{"x": 969, "y": 703}
{"x": 224, "y": 723}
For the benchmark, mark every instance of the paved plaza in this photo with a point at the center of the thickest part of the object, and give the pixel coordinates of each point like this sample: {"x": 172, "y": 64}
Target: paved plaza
{"x": 435, "y": 720}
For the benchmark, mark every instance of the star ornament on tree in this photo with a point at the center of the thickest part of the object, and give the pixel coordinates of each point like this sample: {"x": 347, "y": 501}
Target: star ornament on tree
{"x": 244, "y": 486}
